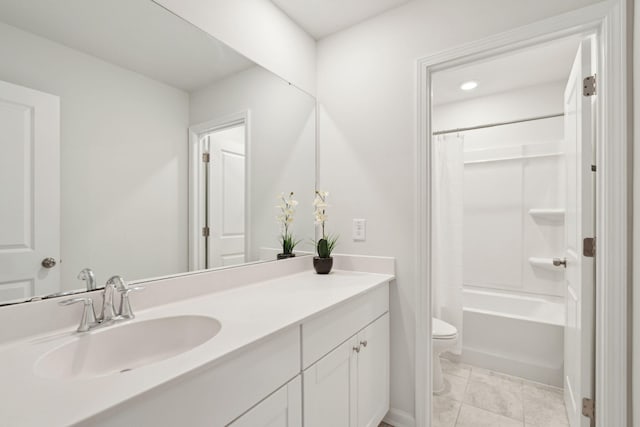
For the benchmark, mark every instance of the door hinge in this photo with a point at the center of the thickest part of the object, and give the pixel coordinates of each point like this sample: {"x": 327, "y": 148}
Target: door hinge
{"x": 206, "y": 231}
{"x": 589, "y": 247}
{"x": 206, "y": 157}
{"x": 593, "y": 168}
{"x": 589, "y": 86}
{"x": 589, "y": 409}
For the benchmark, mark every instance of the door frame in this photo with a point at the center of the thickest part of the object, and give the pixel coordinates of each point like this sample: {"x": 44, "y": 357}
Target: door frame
{"x": 196, "y": 171}
{"x": 609, "y": 21}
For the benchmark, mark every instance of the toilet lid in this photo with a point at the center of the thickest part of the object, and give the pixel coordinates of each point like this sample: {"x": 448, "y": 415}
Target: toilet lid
{"x": 441, "y": 329}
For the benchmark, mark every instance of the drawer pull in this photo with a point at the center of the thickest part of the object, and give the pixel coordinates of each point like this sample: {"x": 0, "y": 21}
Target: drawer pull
{"x": 364, "y": 343}
{"x": 356, "y": 349}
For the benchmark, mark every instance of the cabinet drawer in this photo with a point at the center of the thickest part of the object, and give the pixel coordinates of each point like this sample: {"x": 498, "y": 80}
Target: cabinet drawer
{"x": 325, "y": 332}
{"x": 214, "y": 396}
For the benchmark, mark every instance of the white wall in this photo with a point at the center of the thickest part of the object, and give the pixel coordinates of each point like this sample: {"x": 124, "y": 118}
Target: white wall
{"x": 123, "y": 159}
{"x": 635, "y": 404}
{"x": 258, "y": 30}
{"x": 281, "y": 145}
{"x": 366, "y": 87}
{"x": 499, "y": 234}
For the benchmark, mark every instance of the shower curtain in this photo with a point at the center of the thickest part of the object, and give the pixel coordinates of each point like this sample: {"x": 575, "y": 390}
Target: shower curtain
{"x": 447, "y": 230}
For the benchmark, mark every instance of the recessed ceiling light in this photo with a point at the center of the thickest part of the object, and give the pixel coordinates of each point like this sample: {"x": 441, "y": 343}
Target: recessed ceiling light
{"x": 470, "y": 85}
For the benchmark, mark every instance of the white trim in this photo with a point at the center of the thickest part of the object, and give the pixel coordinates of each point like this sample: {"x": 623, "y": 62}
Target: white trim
{"x": 612, "y": 224}
{"x": 196, "y": 197}
{"x": 608, "y": 20}
{"x": 398, "y": 418}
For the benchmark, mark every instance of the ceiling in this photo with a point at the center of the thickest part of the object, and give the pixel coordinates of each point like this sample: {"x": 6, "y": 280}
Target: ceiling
{"x": 542, "y": 64}
{"x": 137, "y": 35}
{"x": 323, "y": 17}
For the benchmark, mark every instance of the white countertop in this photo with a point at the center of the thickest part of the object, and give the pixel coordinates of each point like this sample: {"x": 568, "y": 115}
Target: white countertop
{"x": 248, "y": 314}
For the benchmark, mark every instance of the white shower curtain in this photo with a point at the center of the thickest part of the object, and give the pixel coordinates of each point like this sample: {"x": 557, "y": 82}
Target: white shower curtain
{"x": 447, "y": 230}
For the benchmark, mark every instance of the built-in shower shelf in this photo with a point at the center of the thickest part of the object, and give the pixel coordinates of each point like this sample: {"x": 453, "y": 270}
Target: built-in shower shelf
{"x": 546, "y": 263}
{"x": 552, "y": 215}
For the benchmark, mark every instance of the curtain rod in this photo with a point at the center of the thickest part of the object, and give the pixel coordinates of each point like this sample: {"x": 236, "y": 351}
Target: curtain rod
{"x": 490, "y": 125}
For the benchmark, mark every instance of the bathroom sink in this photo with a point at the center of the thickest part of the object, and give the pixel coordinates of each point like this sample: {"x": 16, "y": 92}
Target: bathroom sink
{"x": 125, "y": 347}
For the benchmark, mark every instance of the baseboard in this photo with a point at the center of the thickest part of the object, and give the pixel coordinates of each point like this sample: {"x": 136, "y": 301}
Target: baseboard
{"x": 398, "y": 418}
{"x": 524, "y": 369}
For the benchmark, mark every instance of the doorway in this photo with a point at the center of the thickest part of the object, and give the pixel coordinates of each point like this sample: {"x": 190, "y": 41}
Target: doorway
{"x": 219, "y": 181}
{"x": 612, "y": 145}
{"x": 512, "y": 190}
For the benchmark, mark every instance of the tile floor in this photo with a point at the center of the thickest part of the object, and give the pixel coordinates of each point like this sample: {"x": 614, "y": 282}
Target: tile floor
{"x": 476, "y": 397}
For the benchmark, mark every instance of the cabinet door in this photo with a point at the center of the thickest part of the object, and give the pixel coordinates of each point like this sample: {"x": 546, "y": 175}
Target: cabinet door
{"x": 282, "y": 409}
{"x": 329, "y": 389}
{"x": 373, "y": 373}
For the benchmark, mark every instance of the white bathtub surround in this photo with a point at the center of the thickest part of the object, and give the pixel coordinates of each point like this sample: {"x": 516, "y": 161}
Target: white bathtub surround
{"x": 448, "y": 202}
{"x": 521, "y": 335}
{"x": 257, "y": 303}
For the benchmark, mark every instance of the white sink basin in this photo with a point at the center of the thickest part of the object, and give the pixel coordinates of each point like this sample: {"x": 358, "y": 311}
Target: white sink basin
{"x": 124, "y": 347}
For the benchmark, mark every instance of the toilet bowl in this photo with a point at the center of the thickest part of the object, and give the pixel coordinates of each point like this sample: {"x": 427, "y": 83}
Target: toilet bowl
{"x": 443, "y": 338}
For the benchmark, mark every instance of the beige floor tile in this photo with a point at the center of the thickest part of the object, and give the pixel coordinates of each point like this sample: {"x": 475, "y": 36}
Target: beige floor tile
{"x": 497, "y": 395}
{"x": 543, "y": 406}
{"x": 454, "y": 387}
{"x": 445, "y": 412}
{"x": 455, "y": 368}
{"x": 475, "y": 417}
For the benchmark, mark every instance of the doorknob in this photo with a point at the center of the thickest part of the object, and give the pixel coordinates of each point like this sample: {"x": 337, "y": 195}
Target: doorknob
{"x": 48, "y": 262}
{"x": 560, "y": 262}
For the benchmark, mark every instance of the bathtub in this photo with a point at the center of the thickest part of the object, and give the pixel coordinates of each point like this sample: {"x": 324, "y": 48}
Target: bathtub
{"x": 521, "y": 335}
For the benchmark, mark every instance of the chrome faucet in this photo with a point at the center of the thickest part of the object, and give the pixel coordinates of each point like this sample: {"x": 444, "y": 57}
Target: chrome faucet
{"x": 108, "y": 314}
{"x": 87, "y": 275}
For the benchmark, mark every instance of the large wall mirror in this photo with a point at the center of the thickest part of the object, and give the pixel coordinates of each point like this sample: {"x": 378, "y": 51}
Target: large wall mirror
{"x": 133, "y": 143}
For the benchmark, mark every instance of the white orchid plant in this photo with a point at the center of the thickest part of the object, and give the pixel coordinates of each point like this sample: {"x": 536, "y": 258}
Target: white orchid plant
{"x": 287, "y": 207}
{"x": 327, "y": 243}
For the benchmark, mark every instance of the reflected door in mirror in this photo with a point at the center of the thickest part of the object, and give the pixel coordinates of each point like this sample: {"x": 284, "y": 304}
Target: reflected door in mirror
{"x": 225, "y": 183}
{"x": 29, "y": 207}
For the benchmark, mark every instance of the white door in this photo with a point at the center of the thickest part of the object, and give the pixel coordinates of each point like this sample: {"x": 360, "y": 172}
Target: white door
{"x": 373, "y": 373}
{"x": 579, "y": 224}
{"x": 227, "y": 182}
{"x": 282, "y": 409}
{"x": 330, "y": 393}
{"x": 29, "y": 192}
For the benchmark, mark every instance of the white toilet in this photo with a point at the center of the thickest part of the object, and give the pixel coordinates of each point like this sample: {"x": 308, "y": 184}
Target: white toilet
{"x": 443, "y": 337}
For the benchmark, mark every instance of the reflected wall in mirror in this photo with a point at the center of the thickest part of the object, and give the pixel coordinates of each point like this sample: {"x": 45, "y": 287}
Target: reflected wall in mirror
{"x": 107, "y": 110}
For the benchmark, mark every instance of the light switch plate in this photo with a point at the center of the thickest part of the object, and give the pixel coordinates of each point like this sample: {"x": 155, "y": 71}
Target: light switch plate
{"x": 359, "y": 231}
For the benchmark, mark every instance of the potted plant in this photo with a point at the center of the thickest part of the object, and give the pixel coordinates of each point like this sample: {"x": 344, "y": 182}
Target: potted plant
{"x": 323, "y": 262}
{"x": 287, "y": 208}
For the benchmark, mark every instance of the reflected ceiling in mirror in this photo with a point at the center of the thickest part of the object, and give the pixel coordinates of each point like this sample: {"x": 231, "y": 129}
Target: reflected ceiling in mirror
{"x": 108, "y": 109}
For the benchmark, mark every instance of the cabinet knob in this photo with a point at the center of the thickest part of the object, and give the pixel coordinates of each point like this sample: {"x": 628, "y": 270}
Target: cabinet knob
{"x": 363, "y": 343}
{"x": 356, "y": 349}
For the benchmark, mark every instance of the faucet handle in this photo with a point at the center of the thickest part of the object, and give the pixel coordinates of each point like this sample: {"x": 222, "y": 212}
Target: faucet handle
{"x": 88, "y": 314}
{"x": 87, "y": 275}
{"x": 117, "y": 282}
{"x": 125, "y": 304}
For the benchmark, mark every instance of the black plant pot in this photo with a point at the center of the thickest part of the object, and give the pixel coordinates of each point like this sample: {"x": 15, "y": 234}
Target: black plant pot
{"x": 322, "y": 265}
{"x": 285, "y": 256}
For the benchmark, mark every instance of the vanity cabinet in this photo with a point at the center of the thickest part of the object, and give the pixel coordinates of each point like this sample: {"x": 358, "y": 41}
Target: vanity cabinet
{"x": 281, "y": 409}
{"x": 334, "y": 364}
{"x": 349, "y": 387}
